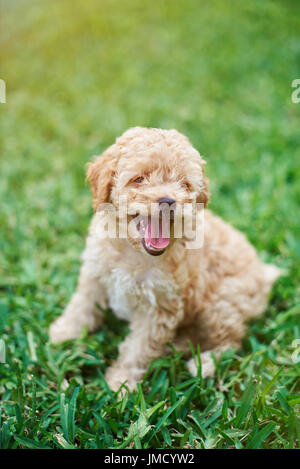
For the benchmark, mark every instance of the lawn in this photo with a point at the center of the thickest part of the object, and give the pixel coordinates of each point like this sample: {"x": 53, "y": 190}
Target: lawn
{"x": 77, "y": 75}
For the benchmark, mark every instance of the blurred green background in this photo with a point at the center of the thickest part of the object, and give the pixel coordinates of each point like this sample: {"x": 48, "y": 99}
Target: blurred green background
{"x": 77, "y": 75}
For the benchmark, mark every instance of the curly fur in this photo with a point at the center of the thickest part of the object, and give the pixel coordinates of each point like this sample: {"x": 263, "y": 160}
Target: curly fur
{"x": 205, "y": 296}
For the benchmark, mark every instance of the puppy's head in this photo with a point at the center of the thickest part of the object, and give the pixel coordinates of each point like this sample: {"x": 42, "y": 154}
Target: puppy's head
{"x": 155, "y": 171}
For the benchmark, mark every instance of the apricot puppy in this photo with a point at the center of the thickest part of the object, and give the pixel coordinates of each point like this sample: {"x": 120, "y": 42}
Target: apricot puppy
{"x": 168, "y": 291}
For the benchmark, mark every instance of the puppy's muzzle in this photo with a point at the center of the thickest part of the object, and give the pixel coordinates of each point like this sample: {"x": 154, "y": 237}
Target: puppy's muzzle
{"x": 156, "y": 240}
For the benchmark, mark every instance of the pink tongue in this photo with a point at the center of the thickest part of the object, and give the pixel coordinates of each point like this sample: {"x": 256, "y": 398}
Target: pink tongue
{"x": 158, "y": 243}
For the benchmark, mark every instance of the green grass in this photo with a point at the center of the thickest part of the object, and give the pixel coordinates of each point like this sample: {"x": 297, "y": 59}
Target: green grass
{"x": 78, "y": 76}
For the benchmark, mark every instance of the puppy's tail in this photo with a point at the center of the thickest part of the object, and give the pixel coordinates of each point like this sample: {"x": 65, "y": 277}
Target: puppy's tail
{"x": 267, "y": 277}
{"x": 272, "y": 273}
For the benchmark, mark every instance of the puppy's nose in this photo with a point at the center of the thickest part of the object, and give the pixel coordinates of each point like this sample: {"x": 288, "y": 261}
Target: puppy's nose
{"x": 166, "y": 200}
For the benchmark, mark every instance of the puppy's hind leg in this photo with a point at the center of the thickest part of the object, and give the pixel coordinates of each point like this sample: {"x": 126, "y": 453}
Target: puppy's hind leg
{"x": 81, "y": 310}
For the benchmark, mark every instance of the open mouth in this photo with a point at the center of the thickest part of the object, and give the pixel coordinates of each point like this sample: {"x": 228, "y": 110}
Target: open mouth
{"x": 155, "y": 236}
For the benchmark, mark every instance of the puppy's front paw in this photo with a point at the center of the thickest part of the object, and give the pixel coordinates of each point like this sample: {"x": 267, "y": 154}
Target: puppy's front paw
{"x": 116, "y": 376}
{"x": 63, "y": 329}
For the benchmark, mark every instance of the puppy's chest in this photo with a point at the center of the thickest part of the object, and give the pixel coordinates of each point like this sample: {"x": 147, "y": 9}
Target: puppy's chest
{"x": 139, "y": 292}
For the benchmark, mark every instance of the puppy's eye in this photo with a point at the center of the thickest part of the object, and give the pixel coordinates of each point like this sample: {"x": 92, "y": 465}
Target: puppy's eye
{"x": 138, "y": 180}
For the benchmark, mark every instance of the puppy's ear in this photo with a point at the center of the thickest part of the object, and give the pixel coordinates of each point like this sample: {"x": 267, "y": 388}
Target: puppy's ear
{"x": 101, "y": 173}
{"x": 204, "y": 194}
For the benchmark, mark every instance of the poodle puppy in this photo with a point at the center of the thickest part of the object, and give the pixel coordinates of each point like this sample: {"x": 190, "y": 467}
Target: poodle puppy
{"x": 167, "y": 291}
